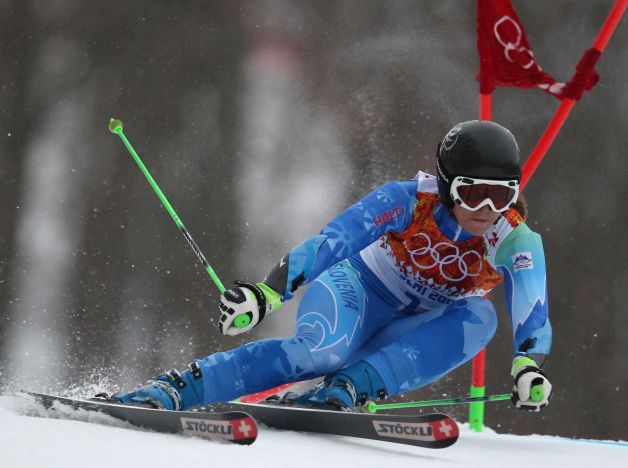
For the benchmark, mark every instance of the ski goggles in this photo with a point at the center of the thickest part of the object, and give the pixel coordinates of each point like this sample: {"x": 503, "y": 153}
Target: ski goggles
{"x": 473, "y": 194}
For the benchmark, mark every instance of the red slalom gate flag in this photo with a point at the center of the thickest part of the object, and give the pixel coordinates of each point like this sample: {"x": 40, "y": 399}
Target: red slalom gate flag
{"x": 506, "y": 58}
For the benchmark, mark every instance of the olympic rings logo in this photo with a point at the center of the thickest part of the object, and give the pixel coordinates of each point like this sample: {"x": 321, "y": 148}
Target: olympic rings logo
{"x": 442, "y": 255}
{"x": 505, "y": 23}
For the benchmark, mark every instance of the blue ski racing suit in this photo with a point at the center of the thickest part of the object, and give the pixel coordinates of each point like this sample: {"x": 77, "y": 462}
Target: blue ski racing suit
{"x": 396, "y": 285}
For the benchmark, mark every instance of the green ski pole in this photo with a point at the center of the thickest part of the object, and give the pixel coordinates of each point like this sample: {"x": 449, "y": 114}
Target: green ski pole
{"x": 536, "y": 394}
{"x": 372, "y": 407}
{"x": 116, "y": 127}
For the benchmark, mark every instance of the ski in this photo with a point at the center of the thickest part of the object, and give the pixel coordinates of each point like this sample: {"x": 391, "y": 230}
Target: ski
{"x": 234, "y": 426}
{"x": 233, "y": 422}
{"x": 427, "y": 430}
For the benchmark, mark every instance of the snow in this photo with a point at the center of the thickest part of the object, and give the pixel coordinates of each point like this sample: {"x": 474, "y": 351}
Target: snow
{"x": 28, "y": 441}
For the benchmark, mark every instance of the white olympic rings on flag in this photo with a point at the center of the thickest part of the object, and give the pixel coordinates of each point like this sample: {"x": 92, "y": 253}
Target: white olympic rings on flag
{"x": 510, "y": 46}
{"x": 435, "y": 257}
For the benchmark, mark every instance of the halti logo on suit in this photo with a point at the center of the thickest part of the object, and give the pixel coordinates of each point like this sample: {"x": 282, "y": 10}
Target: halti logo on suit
{"x": 388, "y": 216}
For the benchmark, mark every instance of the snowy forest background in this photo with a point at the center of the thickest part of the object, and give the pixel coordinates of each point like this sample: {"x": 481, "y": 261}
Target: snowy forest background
{"x": 261, "y": 120}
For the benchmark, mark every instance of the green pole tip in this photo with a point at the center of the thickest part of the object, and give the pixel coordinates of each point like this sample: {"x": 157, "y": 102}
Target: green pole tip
{"x": 536, "y": 393}
{"x": 371, "y": 407}
{"x": 115, "y": 126}
{"x": 242, "y": 321}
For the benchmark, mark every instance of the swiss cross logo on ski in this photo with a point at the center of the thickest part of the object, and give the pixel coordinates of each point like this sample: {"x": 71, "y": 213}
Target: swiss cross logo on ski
{"x": 243, "y": 428}
{"x": 445, "y": 429}
{"x": 522, "y": 261}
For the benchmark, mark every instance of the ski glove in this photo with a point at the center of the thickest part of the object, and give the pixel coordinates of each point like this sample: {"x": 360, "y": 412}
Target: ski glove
{"x": 532, "y": 390}
{"x": 245, "y": 306}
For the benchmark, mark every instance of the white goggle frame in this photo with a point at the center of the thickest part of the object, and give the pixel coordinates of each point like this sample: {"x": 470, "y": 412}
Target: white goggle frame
{"x": 465, "y": 181}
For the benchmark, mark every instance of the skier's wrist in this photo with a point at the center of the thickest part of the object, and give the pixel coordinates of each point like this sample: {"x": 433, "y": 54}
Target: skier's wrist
{"x": 521, "y": 361}
{"x": 273, "y": 298}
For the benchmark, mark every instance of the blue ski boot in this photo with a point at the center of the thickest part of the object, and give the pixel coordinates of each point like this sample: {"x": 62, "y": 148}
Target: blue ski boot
{"x": 173, "y": 391}
{"x": 343, "y": 390}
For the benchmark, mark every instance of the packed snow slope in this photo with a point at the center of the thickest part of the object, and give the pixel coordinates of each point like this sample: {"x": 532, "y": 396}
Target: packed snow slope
{"x": 33, "y": 442}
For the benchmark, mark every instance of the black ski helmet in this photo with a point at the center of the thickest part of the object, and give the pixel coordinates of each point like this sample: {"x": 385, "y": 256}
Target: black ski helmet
{"x": 477, "y": 148}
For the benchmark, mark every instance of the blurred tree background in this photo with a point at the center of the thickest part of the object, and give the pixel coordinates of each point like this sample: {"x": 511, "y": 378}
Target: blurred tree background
{"x": 261, "y": 120}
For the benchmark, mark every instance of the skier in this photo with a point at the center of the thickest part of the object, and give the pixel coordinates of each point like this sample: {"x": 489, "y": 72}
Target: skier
{"x": 397, "y": 290}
